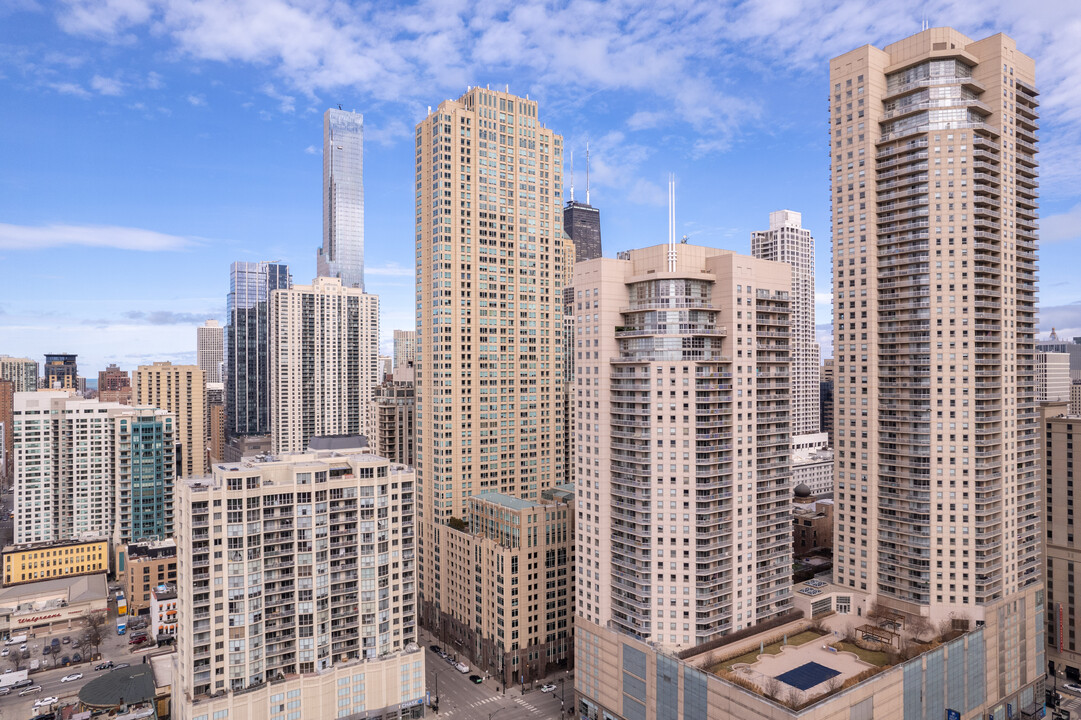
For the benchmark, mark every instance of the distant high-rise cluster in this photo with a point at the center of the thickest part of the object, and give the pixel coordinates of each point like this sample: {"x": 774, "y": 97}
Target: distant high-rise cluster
{"x": 104, "y": 470}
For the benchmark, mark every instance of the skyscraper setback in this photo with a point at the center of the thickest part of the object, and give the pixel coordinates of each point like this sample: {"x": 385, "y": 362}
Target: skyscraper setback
{"x": 789, "y": 242}
{"x": 342, "y": 253}
{"x": 659, "y": 345}
{"x": 489, "y": 311}
{"x": 934, "y": 212}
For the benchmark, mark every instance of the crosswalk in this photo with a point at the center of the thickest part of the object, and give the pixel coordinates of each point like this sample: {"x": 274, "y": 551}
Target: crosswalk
{"x": 526, "y": 709}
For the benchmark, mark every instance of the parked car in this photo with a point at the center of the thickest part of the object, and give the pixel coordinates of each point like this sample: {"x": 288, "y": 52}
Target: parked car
{"x": 65, "y": 661}
{"x": 104, "y": 665}
{"x": 46, "y": 650}
{"x": 461, "y": 667}
{"x": 30, "y": 690}
{"x": 71, "y": 678}
{"x": 476, "y": 679}
{"x": 5, "y": 652}
{"x": 66, "y": 640}
{"x": 5, "y": 690}
{"x": 1073, "y": 687}
{"x": 55, "y": 642}
{"x": 76, "y": 658}
{"x": 434, "y": 648}
{"x": 46, "y": 701}
{"x": 137, "y": 640}
{"x": 23, "y": 646}
{"x": 547, "y": 688}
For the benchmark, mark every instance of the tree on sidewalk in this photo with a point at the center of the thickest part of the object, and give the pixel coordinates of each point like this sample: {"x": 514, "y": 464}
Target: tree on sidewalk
{"x": 94, "y": 634}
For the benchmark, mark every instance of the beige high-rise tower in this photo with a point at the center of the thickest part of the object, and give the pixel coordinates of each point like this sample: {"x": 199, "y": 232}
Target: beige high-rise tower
{"x": 682, "y": 434}
{"x": 789, "y": 242}
{"x": 934, "y": 247}
{"x": 490, "y": 267}
{"x": 181, "y": 390}
{"x": 324, "y": 362}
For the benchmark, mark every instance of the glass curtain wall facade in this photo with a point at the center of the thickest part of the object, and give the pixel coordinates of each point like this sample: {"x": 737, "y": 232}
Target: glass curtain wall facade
{"x": 247, "y": 346}
{"x": 342, "y": 254}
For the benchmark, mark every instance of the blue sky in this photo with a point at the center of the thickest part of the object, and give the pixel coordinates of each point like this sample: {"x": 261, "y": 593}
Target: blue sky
{"x": 148, "y": 143}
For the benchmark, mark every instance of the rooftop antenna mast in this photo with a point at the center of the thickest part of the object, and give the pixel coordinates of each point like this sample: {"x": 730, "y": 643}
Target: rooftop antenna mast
{"x": 587, "y": 172}
{"x": 572, "y": 176}
{"x": 671, "y": 222}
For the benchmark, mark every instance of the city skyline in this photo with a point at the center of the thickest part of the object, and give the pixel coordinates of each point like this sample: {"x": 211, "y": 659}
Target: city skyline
{"x": 196, "y": 214}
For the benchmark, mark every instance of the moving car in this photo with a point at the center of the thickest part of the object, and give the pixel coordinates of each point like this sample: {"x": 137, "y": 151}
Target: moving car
{"x": 104, "y": 665}
{"x": 547, "y": 688}
{"x": 1073, "y": 687}
{"x": 46, "y": 701}
{"x": 461, "y": 667}
{"x": 476, "y": 679}
{"x": 30, "y": 690}
{"x": 71, "y": 678}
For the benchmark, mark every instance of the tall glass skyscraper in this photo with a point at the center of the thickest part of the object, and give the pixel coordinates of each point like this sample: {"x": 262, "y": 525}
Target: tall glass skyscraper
{"x": 247, "y": 346}
{"x": 342, "y": 254}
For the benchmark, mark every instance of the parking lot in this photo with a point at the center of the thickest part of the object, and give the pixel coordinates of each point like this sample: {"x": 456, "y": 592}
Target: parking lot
{"x": 114, "y": 647}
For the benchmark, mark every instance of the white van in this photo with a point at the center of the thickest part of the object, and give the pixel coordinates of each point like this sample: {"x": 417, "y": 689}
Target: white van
{"x": 461, "y": 667}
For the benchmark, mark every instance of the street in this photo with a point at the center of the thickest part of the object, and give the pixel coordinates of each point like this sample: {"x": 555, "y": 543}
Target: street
{"x": 114, "y": 647}
{"x": 461, "y": 699}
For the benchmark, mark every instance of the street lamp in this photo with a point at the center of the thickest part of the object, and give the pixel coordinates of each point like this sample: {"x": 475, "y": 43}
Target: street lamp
{"x": 562, "y": 704}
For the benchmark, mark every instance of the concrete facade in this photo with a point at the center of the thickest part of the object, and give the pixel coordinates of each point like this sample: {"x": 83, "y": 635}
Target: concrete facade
{"x": 324, "y": 362}
{"x": 86, "y": 469}
{"x": 1052, "y": 377}
{"x": 21, "y": 371}
{"x": 789, "y": 242}
{"x": 180, "y": 389}
{"x": 522, "y": 553}
{"x": 489, "y": 372}
{"x": 395, "y": 422}
{"x": 1062, "y": 545}
{"x": 144, "y": 566}
{"x": 210, "y": 350}
{"x": 405, "y": 350}
{"x": 934, "y": 322}
{"x": 319, "y": 569}
{"x": 683, "y": 438}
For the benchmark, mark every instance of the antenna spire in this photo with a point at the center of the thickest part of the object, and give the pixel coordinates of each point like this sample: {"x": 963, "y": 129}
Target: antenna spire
{"x": 671, "y": 222}
{"x": 572, "y": 176}
{"x": 587, "y": 172}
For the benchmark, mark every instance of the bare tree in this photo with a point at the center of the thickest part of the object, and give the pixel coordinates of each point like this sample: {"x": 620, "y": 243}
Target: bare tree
{"x": 793, "y": 699}
{"x": 772, "y": 686}
{"x": 920, "y": 626}
{"x": 833, "y": 684}
{"x": 16, "y": 660}
{"x": 94, "y": 634}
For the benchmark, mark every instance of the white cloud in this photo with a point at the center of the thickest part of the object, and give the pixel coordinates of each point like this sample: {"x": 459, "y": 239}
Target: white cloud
{"x": 313, "y": 150}
{"x": 23, "y": 237}
{"x": 197, "y": 100}
{"x": 1063, "y": 226}
{"x": 823, "y": 298}
{"x": 391, "y": 270}
{"x": 107, "y": 86}
{"x": 287, "y": 103}
{"x": 153, "y": 80}
{"x": 69, "y": 88}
